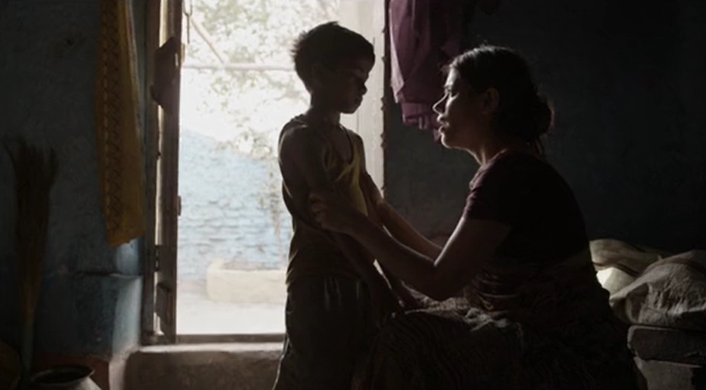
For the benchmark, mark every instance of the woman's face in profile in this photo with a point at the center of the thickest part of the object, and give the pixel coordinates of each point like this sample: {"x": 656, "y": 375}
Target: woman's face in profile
{"x": 463, "y": 121}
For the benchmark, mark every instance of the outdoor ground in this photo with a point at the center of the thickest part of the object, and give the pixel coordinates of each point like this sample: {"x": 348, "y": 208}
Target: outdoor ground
{"x": 198, "y": 314}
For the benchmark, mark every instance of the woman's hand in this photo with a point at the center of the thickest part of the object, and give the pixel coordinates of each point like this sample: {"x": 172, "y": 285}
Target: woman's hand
{"x": 332, "y": 213}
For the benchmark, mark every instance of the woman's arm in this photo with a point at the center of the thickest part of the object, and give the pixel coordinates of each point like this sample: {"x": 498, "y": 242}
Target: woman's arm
{"x": 395, "y": 223}
{"x": 471, "y": 245}
{"x": 376, "y": 214}
{"x": 405, "y": 233}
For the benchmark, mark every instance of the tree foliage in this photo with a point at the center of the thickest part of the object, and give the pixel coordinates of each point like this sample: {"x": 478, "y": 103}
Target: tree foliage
{"x": 256, "y": 103}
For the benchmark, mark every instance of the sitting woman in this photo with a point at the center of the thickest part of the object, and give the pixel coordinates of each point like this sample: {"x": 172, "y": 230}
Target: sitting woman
{"x": 520, "y": 253}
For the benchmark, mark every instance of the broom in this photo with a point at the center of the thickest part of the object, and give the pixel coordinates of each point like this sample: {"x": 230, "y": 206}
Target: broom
{"x": 34, "y": 176}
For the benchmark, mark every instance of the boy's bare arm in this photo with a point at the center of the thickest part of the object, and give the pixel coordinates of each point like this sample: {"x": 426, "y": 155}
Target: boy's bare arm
{"x": 302, "y": 161}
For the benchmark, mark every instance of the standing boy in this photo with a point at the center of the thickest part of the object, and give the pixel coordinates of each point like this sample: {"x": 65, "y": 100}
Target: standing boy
{"x": 335, "y": 295}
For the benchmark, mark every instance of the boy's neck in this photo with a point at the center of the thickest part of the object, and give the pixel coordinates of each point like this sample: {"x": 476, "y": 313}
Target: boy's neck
{"x": 320, "y": 112}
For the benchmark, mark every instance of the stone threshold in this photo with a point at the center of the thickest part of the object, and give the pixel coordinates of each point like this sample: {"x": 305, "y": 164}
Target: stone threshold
{"x": 215, "y": 366}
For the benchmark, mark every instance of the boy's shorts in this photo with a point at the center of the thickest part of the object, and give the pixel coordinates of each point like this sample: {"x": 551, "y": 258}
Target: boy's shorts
{"x": 329, "y": 331}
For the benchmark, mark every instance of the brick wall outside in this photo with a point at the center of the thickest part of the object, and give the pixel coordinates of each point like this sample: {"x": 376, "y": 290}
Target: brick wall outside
{"x": 225, "y": 209}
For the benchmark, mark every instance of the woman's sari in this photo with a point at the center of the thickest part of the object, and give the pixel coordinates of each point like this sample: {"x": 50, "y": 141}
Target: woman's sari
{"x": 528, "y": 327}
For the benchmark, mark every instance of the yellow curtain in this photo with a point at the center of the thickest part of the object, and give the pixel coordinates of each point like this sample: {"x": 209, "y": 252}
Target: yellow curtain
{"x": 118, "y": 129}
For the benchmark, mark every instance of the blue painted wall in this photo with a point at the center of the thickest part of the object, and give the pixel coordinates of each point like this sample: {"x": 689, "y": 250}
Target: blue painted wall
{"x": 628, "y": 82}
{"x": 90, "y": 301}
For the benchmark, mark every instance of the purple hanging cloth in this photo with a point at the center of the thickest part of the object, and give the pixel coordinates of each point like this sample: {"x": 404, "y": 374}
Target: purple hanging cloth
{"x": 424, "y": 36}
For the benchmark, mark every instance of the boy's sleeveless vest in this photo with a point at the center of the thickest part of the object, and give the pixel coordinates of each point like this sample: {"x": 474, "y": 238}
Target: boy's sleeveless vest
{"x": 312, "y": 250}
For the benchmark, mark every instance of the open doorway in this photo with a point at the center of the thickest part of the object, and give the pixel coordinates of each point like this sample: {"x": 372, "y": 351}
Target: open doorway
{"x": 238, "y": 87}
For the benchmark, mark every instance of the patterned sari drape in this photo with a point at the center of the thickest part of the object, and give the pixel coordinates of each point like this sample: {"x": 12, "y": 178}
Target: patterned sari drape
{"x": 118, "y": 128}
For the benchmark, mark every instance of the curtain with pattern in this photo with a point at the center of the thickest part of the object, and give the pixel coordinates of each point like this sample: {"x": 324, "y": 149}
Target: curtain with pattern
{"x": 117, "y": 124}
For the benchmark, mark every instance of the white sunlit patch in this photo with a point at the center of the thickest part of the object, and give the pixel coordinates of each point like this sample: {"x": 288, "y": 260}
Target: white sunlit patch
{"x": 604, "y": 274}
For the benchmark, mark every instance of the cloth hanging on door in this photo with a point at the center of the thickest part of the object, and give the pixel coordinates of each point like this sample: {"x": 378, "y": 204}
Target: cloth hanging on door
{"x": 117, "y": 124}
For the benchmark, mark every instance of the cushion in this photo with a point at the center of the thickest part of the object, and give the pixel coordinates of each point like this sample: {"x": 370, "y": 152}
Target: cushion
{"x": 670, "y": 293}
{"x": 670, "y": 345}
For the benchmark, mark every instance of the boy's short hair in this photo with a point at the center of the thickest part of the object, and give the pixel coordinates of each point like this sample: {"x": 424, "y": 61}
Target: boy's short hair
{"x": 328, "y": 44}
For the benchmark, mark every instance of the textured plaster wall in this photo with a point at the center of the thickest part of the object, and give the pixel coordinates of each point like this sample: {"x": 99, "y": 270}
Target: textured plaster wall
{"x": 628, "y": 84}
{"x": 91, "y": 293}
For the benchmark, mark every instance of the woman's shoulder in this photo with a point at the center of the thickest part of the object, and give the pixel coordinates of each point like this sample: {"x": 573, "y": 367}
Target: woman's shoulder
{"x": 517, "y": 159}
{"x": 514, "y": 166}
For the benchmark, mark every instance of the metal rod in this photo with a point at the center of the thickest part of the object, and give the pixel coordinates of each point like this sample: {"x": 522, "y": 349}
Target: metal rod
{"x": 201, "y": 30}
{"x": 239, "y": 67}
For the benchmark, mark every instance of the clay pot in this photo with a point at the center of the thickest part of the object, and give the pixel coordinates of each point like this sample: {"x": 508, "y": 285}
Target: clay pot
{"x": 68, "y": 377}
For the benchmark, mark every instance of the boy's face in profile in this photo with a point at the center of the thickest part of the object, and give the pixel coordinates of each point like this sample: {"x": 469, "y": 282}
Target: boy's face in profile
{"x": 343, "y": 86}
